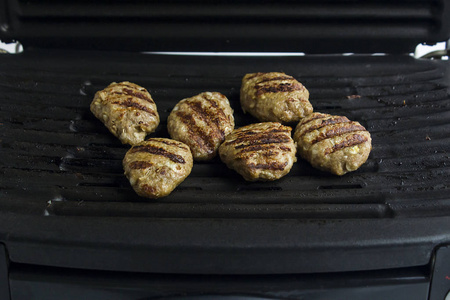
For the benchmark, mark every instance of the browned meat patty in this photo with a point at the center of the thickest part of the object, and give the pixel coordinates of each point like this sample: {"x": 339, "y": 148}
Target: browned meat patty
{"x": 202, "y": 122}
{"x": 262, "y": 151}
{"x": 275, "y": 97}
{"x": 332, "y": 143}
{"x": 127, "y": 110}
{"x": 157, "y": 166}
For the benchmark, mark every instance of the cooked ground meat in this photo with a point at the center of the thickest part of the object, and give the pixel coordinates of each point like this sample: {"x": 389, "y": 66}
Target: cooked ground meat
{"x": 332, "y": 143}
{"x": 157, "y": 166}
{"x": 275, "y": 97}
{"x": 127, "y": 110}
{"x": 262, "y": 151}
{"x": 202, "y": 122}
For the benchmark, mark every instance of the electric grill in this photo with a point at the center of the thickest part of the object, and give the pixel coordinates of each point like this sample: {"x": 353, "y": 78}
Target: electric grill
{"x": 71, "y": 227}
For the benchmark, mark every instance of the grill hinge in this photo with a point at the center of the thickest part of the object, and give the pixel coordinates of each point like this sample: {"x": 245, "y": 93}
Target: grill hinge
{"x": 4, "y": 274}
{"x": 440, "y": 276}
{"x": 11, "y": 48}
{"x": 438, "y": 51}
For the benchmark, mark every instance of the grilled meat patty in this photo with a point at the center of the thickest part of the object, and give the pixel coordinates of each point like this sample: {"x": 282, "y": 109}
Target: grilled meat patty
{"x": 127, "y": 110}
{"x": 157, "y": 166}
{"x": 262, "y": 151}
{"x": 202, "y": 122}
{"x": 275, "y": 97}
{"x": 332, "y": 143}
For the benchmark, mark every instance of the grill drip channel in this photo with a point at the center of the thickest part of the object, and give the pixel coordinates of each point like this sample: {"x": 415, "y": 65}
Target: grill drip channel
{"x": 58, "y": 159}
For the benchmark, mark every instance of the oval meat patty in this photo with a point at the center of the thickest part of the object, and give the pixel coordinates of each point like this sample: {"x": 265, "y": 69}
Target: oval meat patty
{"x": 262, "y": 151}
{"x": 202, "y": 122}
{"x": 275, "y": 97}
{"x": 127, "y": 110}
{"x": 157, "y": 166}
{"x": 332, "y": 143}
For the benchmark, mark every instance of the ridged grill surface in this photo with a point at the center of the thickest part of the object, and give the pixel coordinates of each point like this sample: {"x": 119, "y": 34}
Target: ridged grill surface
{"x": 58, "y": 159}
{"x": 319, "y": 26}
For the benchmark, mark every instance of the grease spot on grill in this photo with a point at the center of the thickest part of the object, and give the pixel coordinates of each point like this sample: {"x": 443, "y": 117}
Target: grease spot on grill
{"x": 84, "y": 88}
{"x": 72, "y": 126}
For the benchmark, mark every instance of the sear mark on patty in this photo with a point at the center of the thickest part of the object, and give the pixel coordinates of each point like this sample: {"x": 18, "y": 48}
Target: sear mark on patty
{"x": 136, "y": 94}
{"x": 210, "y": 118}
{"x": 158, "y": 151}
{"x": 140, "y": 164}
{"x": 326, "y": 122}
{"x": 269, "y": 166}
{"x": 333, "y": 132}
{"x": 196, "y": 133}
{"x": 279, "y": 88}
{"x": 130, "y": 103}
{"x": 352, "y": 140}
{"x": 286, "y": 77}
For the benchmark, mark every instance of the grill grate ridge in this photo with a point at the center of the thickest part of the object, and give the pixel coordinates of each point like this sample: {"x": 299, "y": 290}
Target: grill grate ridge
{"x": 63, "y": 160}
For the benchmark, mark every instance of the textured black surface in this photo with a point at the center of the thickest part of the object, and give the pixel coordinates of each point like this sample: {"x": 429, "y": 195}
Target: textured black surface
{"x": 65, "y": 202}
{"x": 319, "y": 26}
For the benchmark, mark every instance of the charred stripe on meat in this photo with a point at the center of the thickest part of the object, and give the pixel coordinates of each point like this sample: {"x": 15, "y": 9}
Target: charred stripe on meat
{"x": 247, "y": 137}
{"x": 137, "y": 94}
{"x": 175, "y": 144}
{"x": 269, "y": 166}
{"x": 279, "y": 88}
{"x": 130, "y": 103}
{"x": 210, "y": 118}
{"x": 263, "y": 147}
{"x": 158, "y": 151}
{"x": 129, "y": 92}
{"x": 312, "y": 118}
{"x": 196, "y": 133}
{"x": 326, "y": 122}
{"x": 263, "y": 140}
{"x": 286, "y": 77}
{"x": 350, "y": 141}
{"x": 140, "y": 164}
{"x": 337, "y": 131}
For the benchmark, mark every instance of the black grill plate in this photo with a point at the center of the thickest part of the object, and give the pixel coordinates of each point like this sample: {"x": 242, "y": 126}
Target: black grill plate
{"x": 65, "y": 202}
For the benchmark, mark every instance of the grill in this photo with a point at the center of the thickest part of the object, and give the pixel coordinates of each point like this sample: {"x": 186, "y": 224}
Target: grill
{"x": 71, "y": 223}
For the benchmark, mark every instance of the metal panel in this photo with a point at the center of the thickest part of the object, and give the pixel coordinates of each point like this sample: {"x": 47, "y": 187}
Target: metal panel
{"x": 251, "y": 25}
{"x": 31, "y": 282}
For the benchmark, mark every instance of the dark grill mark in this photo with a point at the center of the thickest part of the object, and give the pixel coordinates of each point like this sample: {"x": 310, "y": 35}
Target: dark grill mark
{"x": 209, "y": 118}
{"x": 196, "y": 133}
{"x": 148, "y": 189}
{"x": 326, "y": 122}
{"x": 158, "y": 151}
{"x": 136, "y": 94}
{"x": 337, "y": 131}
{"x": 245, "y": 135}
{"x": 315, "y": 117}
{"x": 275, "y": 166}
{"x": 135, "y": 165}
{"x": 279, "y": 88}
{"x": 129, "y": 84}
{"x": 129, "y": 103}
{"x": 210, "y": 101}
{"x": 285, "y": 77}
{"x": 271, "y": 139}
{"x": 353, "y": 140}
{"x": 175, "y": 144}
{"x": 255, "y": 75}
{"x": 253, "y": 148}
